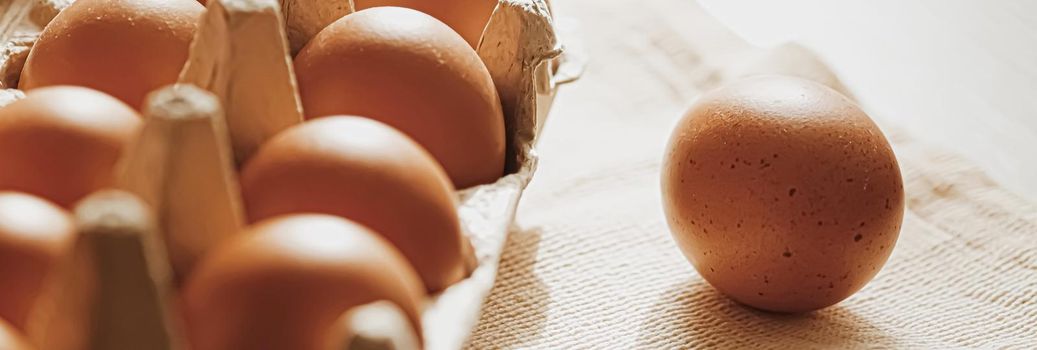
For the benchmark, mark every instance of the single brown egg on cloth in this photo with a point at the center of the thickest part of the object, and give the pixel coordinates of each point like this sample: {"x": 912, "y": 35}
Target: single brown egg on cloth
{"x": 467, "y": 17}
{"x": 125, "y": 48}
{"x": 409, "y": 70}
{"x": 34, "y": 234}
{"x": 285, "y": 283}
{"x": 367, "y": 172}
{"x": 62, "y": 143}
{"x": 782, "y": 193}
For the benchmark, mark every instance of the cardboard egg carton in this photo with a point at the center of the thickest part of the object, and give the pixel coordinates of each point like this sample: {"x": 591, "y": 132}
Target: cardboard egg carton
{"x": 241, "y": 60}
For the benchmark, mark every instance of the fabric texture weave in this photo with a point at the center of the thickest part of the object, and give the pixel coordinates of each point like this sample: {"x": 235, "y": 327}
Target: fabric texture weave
{"x": 591, "y": 264}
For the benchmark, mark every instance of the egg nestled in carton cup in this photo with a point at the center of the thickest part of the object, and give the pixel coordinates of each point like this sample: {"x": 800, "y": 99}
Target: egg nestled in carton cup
{"x": 222, "y": 213}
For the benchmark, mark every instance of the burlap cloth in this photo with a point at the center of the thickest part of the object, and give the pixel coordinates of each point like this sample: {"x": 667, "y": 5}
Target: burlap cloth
{"x": 591, "y": 264}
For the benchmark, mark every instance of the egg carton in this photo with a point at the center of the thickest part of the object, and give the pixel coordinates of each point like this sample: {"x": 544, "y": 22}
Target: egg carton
{"x": 242, "y": 54}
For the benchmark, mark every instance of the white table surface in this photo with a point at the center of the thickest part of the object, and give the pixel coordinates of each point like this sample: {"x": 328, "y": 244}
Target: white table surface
{"x": 959, "y": 73}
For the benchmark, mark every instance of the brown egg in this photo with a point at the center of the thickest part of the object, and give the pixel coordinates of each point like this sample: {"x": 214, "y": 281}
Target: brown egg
{"x": 11, "y": 339}
{"x": 467, "y": 17}
{"x": 125, "y": 48}
{"x": 782, "y": 193}
{"x": 406, "y": 69}
{"x": 367, "y": 172}
{"x": 283, "y": 284}
{"x": 61, "y": 143}
{"x": 34, "y": 233}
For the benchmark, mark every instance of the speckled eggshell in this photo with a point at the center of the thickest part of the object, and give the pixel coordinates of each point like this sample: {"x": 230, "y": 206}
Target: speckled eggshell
{"x": 467, "y": 17}
{"x": 782, "y": 193}
{"x": 406, "y": 69}
{"x": 125, "y": 48}
{"x": 62, "y": 142}
{"x": 286, "y": 281}
{"x": 34, "y": 234}
{"x": 368, "y": 172}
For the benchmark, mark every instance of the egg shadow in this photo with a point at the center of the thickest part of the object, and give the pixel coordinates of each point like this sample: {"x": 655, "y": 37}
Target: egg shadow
{"x": 694, "y": 315}
{"x": 515, "y": 311}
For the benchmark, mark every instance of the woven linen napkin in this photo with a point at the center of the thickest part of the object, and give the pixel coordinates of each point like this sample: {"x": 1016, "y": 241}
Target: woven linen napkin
{"x": 591, "y": 265}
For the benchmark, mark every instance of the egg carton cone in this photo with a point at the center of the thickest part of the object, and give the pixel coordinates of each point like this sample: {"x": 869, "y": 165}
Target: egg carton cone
{"x": 242, "y": 55}
{"x": 113, "y": 290}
